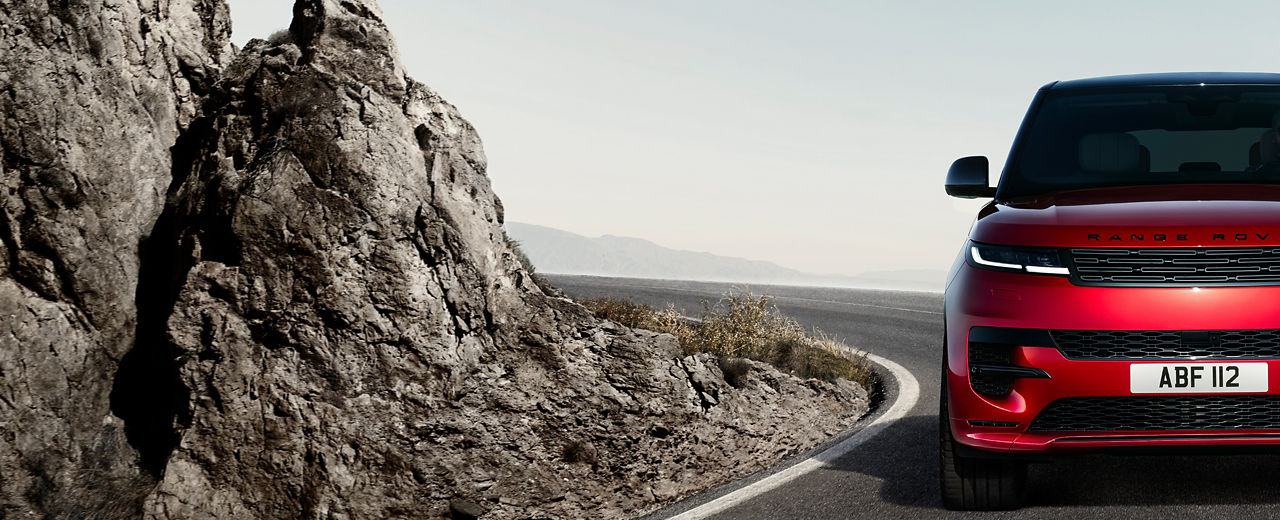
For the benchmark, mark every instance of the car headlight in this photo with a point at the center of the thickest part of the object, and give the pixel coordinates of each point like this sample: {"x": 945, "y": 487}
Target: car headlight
{"x": 1022, "y": 259}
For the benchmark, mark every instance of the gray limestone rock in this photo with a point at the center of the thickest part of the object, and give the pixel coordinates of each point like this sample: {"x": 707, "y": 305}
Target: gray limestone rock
{"x": 92, "y": 96}
{"x": 277, "y": 286}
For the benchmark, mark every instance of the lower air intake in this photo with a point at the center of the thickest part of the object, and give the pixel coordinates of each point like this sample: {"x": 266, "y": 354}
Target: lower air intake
{"x": 1212, "y": 412}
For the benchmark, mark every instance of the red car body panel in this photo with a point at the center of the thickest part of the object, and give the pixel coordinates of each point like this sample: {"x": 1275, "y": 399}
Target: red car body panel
{"x": 1185, "y": 216}
{"x": 1224, "y": 215}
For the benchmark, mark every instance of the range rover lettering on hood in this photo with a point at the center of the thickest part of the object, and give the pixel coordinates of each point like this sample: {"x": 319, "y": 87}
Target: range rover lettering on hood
{"x": 1174, "y": 237}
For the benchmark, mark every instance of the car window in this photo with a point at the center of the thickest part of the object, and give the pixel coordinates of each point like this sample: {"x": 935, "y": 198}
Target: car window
{"x": 1166, "y": 135}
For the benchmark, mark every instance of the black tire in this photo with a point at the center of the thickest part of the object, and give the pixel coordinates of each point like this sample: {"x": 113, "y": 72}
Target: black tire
{"x": 975, "y": 484}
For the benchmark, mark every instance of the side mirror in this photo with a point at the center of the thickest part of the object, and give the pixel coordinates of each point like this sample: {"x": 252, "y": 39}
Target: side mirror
{"x": 967, "y": 178}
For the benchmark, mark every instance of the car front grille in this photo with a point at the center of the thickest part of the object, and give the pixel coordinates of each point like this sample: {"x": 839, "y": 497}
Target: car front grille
{"x": 1167, "y": 344}
{"x": 1161, "y": 267}
{"x": 1217, "y": 412}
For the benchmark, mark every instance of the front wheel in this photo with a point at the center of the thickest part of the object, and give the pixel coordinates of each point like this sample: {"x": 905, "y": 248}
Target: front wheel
{"x": 975, "y": 484}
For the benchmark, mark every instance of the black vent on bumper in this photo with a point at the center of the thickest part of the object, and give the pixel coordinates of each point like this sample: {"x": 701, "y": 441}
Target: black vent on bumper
{"x": 1217, "y": 412}
{"x": 991, "y": 367}
{"x": 1168, "y": 344}
{"x": 1175, "y": 267}
{"x": 988, "y": 354}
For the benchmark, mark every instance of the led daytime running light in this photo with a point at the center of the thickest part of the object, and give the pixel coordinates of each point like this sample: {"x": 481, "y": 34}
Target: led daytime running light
{"x": 977, "y": 257}
{"x": 1038, "y": 269}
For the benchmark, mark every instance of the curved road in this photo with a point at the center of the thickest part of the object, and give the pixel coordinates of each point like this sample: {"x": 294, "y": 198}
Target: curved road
{"x": 894, "y": 474}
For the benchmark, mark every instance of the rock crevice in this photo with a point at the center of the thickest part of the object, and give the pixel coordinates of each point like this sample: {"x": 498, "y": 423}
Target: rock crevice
{"x": 94, "y": 95}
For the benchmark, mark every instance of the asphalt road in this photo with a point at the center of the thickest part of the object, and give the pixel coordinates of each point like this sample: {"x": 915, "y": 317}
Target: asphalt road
{"x": 895, "y": 475}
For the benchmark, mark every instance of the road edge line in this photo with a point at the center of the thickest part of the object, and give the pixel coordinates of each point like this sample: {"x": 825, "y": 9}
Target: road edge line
{"x": 908, "y": 395}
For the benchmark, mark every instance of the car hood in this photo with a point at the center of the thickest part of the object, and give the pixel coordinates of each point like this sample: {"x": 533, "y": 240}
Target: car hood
{"x": 1146, "y": 216}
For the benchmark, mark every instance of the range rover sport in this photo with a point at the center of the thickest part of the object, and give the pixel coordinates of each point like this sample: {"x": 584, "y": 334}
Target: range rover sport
{"x": 1122, "y": 290}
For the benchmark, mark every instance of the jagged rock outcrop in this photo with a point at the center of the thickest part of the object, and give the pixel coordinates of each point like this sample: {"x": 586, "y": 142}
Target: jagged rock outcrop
{"x": 92, "y": 96}
{"x": 328, "y": 322}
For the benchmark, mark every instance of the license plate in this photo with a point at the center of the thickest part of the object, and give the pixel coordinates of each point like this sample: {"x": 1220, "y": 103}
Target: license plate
{"x": 1181, "y": 378}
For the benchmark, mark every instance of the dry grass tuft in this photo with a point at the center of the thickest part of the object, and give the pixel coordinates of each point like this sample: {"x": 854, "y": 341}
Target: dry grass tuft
{"x": 545, "y": 285}
{"x": 742, "y": 325}
{"x": 523, "y": 259}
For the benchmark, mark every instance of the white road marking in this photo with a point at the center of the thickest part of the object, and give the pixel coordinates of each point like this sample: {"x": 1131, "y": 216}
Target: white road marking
{"x": 797, "y": 298}
{"x": 908, "y": 394}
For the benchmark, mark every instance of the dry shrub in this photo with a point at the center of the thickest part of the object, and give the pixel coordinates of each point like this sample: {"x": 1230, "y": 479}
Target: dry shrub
{"x": 626, "y": 312}
{"x": 523, "y": 259}
{"x": 742, "y": 325}
{"x": 281, "y": 36}
{"x": 672, "y": 322}
{"x": 545, "y": 285}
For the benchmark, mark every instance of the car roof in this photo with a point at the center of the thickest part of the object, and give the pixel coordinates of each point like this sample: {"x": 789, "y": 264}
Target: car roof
{"x": 1172, "y": 78}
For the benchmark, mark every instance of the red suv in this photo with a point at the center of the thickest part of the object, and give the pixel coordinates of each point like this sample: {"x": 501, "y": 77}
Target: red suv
{"x": 1122, "y": 290}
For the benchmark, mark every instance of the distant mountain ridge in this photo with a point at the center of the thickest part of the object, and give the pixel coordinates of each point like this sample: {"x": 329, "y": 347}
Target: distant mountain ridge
{"x": 557, "y": 251}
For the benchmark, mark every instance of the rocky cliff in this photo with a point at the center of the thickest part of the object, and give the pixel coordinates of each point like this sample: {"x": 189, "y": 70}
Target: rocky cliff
{"x": 276, "y": 286}
{"x": 92, "y": 97}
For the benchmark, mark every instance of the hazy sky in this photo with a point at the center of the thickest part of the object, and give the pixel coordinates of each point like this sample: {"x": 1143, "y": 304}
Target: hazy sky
{"x": 812, "y": 134}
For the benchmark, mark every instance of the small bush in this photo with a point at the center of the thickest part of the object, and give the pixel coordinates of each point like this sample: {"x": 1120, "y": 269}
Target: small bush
{"x": 742, "y": 325}
{"x": 672, "y": 322}
{"x": 514, "y": 246}
{"x": 527, "y": 264}
{"x": 622, "y": 311}
{"x": 304, "y": 97}
{"x": 281, "y": 36}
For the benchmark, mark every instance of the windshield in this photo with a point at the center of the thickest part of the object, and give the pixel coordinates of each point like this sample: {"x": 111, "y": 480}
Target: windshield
{"x": 1143, "y": 136}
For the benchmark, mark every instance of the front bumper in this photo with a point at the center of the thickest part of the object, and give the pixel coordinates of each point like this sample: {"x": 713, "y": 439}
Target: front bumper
{"x": 983, "y": 298}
